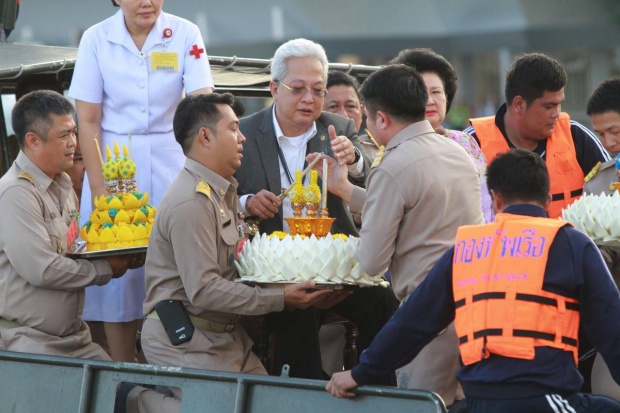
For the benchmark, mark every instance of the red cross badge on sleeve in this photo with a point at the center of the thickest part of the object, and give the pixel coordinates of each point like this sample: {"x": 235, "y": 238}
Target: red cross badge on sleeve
{"x": 196, "y": 52}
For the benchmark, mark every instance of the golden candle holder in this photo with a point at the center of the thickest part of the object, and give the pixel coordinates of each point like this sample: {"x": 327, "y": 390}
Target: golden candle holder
{"x": 312, "y": 209}
{"x": 324, "y": 213}
{"x": 307, "y": 226}
{"x": 298, "y": 208}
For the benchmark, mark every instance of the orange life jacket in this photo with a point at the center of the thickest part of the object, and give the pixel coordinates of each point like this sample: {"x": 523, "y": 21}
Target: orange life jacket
{"x": 501, "y": 308}
{"x": 565, "y": 175}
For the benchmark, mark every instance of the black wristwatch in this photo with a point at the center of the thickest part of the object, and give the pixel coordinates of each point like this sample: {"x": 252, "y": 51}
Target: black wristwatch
{"x": 358, "y": 155}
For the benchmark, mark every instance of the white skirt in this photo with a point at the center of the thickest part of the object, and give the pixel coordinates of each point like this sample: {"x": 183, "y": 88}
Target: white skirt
{"x": 159, "y": 159}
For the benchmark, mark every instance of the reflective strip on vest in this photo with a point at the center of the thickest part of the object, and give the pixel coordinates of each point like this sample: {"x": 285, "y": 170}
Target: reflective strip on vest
{"x": 565, "y": 175}
{"x": 498, "y": 274}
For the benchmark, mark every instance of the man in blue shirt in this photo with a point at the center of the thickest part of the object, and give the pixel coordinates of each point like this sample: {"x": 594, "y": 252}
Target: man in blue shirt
{"x": 548, "y": 379}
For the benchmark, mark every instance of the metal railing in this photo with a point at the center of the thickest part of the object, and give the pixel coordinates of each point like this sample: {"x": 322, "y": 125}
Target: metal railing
{"x": 37, "y": 383}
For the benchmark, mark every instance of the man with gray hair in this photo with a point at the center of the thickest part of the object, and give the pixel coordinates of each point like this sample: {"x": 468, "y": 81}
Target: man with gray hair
{"x": 278, "y": 140}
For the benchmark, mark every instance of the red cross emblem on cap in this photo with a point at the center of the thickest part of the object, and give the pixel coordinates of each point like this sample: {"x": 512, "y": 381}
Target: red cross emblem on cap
{"x": 196, "y": 52}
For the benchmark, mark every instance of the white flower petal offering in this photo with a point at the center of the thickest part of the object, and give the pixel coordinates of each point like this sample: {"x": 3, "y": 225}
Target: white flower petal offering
{"x": 344, "y": 269}
{"x": 245, "y": 270}
{"x": 598, "y": 216}
{"x": 328, "y": 270}
{"x": 282, "y": 258}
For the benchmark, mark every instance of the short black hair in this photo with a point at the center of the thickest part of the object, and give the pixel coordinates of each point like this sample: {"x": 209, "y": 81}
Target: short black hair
{"x": 519, "y": 176}
{"x": 533, "y": 74}
{"x": 398, "y": 90}
{"x": 338, "y": 78}
{"x": 605, "y": 98}
{"x": 114, "y": 4}
{"x": 32, "y": 113}
{"x": 238, "y": 107}
{"x": 198, "y": 111}
{"x": 428, "y": 61}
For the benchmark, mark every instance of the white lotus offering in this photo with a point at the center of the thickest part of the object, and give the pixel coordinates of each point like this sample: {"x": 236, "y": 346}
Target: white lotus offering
{"x": 596, "y": 215}
{"x": 296, "y": 259}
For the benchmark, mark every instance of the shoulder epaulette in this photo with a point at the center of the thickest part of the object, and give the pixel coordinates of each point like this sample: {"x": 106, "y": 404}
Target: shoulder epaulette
{"x": 26, "y": 176}
{"x": 593, "y": 172}
{"x": 378, "y": 157}
{"x": 204, "y": 188}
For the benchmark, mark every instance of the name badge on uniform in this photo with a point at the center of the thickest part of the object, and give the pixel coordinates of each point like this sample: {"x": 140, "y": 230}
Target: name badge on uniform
{"x": 73, "y": 233}
{"x": 164, "y": 61}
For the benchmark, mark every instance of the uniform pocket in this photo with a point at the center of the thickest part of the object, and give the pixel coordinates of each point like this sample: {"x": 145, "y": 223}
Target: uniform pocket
{"x": 229, "y": 236}
{"x": 56, "y": 231}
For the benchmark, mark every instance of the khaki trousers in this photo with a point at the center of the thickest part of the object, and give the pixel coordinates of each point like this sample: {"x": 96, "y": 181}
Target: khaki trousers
{"x": 434, "y": 368}
{"x": 28, "y": 340}
{"x": 602, "y": 382}
{"x": 231, "y": 352}
{"x": 141, "y": 400}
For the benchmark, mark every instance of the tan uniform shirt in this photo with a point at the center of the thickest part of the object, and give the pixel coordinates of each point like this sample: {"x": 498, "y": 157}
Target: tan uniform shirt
{"x": 39, "y": 287}
{"x": 602, "y": 180}
{"x": 602, "y": 381}
{"x": 191, "y": 250}
{"x": 425, "y": 187}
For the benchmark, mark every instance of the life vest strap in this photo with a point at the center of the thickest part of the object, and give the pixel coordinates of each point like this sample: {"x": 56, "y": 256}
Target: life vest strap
{"x": 519, "y": 333}
{"x": 573, "y": 194}
{"x": 519, "y": 296}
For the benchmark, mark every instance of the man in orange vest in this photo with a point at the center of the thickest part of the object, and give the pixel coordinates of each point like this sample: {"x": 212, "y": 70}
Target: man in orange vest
{"x": 532, "y": 119}
{"x": 517, "y": 290}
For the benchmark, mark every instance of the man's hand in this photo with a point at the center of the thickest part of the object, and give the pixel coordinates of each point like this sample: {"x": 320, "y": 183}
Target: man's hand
{"x": 119, "y": 264}
{"x": 137, "y": 260}
{"x": 303, "y": 295}
{"x": 332, "y": 299}
{"x": 342, "y": 147}
{"x": 341, "y": 384}
{"x": 263, "y": 205}
{"x": 337, "y": 176}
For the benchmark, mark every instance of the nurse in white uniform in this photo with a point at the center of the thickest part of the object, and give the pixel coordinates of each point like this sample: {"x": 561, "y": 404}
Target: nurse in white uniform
{"x": 132, "y": 70}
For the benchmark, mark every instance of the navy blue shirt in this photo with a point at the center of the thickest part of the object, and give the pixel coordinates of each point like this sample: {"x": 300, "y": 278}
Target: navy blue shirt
{"x": 575, "y": 269}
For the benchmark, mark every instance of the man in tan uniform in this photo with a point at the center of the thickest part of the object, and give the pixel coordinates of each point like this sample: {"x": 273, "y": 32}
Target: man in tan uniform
{"x": 424, "y": 188}
{"x": 343, "y": 97}
{"x": 603, "y": 108}
{"x": 192, "y": 247}
{"x": 41, "y": 290}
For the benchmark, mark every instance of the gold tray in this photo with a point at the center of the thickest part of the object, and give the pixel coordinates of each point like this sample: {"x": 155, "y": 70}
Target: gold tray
{"x": 79, "y": 252}
{"x": 317, "y": 286}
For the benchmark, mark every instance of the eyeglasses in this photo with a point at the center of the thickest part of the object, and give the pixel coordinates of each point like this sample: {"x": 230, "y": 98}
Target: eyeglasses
{"x": 299, "y": 91}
